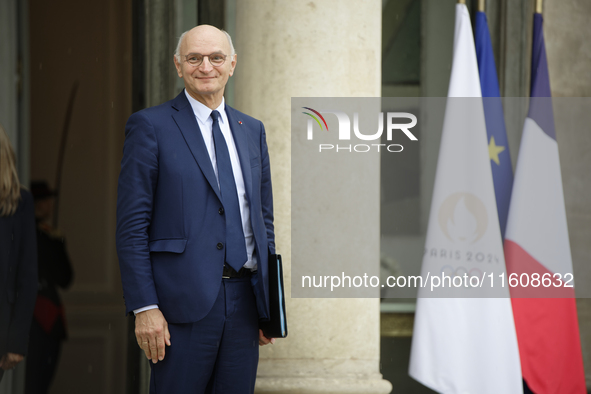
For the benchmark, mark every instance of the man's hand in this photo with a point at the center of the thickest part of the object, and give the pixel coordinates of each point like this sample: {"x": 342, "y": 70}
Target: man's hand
{"x": 151, "y": 332}
{"x": 263, "y": 340}
{"x": 9, "y": 360}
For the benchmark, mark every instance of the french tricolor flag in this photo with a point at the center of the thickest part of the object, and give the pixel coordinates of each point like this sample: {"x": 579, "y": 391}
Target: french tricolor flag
{"x": 536, "y": 242}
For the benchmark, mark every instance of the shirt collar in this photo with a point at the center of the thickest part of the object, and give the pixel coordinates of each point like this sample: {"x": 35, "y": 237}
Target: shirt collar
{"x": 203, "y": 112}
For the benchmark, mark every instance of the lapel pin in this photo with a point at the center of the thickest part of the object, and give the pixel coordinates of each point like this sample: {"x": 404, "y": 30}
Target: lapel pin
{"x": 240, "y": 121}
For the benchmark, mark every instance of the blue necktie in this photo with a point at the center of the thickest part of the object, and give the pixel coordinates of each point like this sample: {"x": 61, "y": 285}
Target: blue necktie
{"x": 235, "y": 245}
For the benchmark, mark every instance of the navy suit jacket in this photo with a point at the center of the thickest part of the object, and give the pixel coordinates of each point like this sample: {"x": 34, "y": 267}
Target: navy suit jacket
{"x": 169, "y": 221}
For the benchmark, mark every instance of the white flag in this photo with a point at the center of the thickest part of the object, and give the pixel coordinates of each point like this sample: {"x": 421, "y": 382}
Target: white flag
{"x": 465, "y": 345}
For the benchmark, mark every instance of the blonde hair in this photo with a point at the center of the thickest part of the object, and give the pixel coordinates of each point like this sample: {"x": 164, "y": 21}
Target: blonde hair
{"x": 9, "y": 183}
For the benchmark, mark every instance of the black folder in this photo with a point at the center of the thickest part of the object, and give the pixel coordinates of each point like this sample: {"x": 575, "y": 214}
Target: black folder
{"x": 276, "y": 327}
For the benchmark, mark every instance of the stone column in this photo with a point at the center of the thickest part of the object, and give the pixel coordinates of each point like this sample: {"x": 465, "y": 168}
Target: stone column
{"x": 326, "y": 48}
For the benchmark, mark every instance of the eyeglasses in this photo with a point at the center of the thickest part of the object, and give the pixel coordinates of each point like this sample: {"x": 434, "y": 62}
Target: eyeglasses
{"x": 196, "y": 59}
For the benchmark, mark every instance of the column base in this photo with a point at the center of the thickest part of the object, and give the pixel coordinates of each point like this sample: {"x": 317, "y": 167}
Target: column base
{"x": 311, "y": 385}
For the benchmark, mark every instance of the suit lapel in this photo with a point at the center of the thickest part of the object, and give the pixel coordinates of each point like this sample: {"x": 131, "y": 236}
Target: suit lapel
{"x": 185, "y": 120}
{"x": 242, "y": 146}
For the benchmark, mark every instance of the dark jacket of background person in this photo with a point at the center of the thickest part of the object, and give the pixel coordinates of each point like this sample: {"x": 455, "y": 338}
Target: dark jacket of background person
{"x": 18, "y": 276}
{"x": 55, "y": 271}
{"x": 48, "y": 329}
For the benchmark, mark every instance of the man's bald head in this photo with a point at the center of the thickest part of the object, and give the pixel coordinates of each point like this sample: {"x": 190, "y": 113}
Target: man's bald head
{"x": 203, "y": 30}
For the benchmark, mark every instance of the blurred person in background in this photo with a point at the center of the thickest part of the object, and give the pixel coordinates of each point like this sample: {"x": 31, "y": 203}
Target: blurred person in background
{"x": 18, "y": 260}
{"x": 48, "y": 329}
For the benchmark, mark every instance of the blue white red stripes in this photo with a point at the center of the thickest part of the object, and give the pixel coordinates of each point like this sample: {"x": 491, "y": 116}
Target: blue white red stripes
{"x": 536, "y": 241}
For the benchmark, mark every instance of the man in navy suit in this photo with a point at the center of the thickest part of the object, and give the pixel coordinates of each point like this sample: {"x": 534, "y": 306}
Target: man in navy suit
{"x": 195, "y": 227}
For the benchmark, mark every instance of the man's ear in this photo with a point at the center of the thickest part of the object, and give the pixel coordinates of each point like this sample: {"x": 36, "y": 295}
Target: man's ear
{"x": 178, "y": 67}
{"x": 234, "y": 58}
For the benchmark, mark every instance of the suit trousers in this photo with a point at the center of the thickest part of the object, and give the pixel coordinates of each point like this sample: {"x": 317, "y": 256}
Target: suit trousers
{"x": 218, "y": 354}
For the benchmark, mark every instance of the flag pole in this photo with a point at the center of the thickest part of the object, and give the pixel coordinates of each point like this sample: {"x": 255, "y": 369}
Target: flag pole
{"x": 481, "y": 5}
{"x": 538, "y": 6}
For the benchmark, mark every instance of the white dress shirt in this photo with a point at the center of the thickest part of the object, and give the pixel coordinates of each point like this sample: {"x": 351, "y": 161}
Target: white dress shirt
{"x": 205, "y": 121}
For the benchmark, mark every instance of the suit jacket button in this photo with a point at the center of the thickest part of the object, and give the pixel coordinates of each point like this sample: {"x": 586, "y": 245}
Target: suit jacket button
{"x": 220, "y": 246}
{"x": 221, "y": 211}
